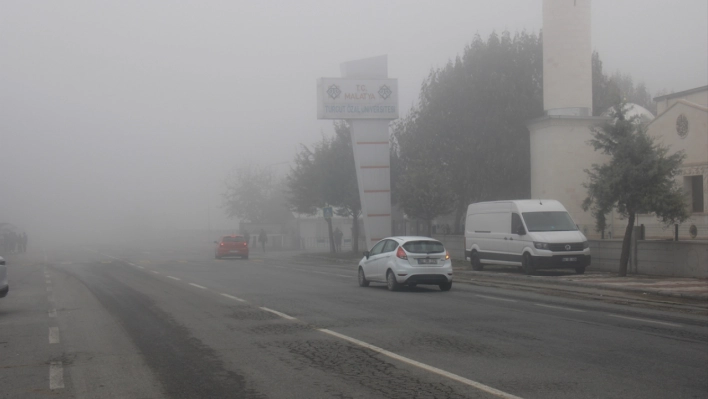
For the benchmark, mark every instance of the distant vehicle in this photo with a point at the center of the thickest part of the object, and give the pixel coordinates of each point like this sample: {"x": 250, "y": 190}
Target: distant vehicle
{"x": 4, "y": 285}
{"x": 532, "y": 234}
{"x": 234, "y": 245}
{"x": 399, "y": 261}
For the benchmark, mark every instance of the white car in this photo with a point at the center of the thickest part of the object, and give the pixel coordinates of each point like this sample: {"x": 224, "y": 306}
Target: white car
{"x": 410, "y": 261}
{"x": 4, "y": 285}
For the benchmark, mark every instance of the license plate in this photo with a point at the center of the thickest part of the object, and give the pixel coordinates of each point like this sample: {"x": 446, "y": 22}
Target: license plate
{"x": 427, "y": 261}
{"x": 234, "y": 252}
{"x": 570, "y": 259}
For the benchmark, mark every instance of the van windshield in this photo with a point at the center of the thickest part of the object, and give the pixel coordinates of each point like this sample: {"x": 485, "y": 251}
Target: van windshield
{"x": 549, "y": 221}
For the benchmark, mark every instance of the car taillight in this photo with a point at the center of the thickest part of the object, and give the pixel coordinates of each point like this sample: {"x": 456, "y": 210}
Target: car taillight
{"x": 401, "y": 254}
{"x": 447, "y": 254}
{"x": 245, "y": 244}
{"x": 221, "y": 244}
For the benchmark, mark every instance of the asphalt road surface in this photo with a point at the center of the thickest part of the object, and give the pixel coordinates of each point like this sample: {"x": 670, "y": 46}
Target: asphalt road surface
{"x": 177, "y": 323}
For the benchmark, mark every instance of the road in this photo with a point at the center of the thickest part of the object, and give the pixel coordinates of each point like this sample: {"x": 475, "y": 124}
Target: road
{"x": 176, "y": 323}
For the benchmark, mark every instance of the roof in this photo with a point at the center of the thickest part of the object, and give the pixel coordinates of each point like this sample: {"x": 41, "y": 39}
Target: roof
{"x": 681, "y": 93}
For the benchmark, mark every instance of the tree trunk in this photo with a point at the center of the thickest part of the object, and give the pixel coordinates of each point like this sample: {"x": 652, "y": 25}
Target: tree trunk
{"x": 355, "y": 232}
{"x": 331, "y": 236}
{"x": 624, "y": 259}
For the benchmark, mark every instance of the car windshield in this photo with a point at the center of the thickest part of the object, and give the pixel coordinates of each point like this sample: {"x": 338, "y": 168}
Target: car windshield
{"x": 549, "y": 221}
{"x": 233, "y": 239}
{"x": 424, "y": 247}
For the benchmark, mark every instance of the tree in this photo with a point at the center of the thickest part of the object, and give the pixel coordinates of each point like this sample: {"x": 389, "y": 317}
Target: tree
{"x": 326, "y": 175}
{"x": 423, "y": 191}
{"x": 639, "y": 177}
{"x": 248, "y": 192}
{"x": 471, "y": 118}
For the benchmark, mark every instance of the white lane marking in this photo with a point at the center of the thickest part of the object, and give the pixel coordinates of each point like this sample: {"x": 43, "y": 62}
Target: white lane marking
{"x": 49, "y": 288}
{"x": 495, "y": 298}
{"x": 233, "y": 297}
{"x": 53, "y": 335}
{"x": 139, "y": 267}
{"x": 645, "y": 320}
{"x": 313, "y": 271}
{"x": 174, "y": 278}
{"x": 198, "y": 286}
{"x": 53, "y": 313}
{"x": 558, "y": 307}
{"x": 56, "y": 376}
{"x": 423, "y": 366}
{"x": 152, "y": 271}
{"x": 283, "y": 315}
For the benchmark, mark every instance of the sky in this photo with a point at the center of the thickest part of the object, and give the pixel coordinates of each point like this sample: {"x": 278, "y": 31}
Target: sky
{"x": 128, "y": 114}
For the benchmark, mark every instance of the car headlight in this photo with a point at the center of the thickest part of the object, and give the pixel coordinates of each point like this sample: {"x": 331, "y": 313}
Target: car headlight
{"x": 540, "y": 245}
{"x": 586, "y": 244}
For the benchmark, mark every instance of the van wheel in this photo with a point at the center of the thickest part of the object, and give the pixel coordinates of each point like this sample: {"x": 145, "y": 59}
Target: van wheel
{"x": 391, "y": 282}
{"x": 445, "y": 286}
{"x": 363, "y": 282}
{"x": 476, "y": 263}
{"x": 580, "y": 270}
{"x": 528, "y": 265}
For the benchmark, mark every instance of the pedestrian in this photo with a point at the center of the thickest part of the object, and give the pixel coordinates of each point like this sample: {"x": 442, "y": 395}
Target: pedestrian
{"x": 263, "y": 239}
{"x": 338, "y": 240}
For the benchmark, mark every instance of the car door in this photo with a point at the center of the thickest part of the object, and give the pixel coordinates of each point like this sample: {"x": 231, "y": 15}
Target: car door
{"x": 369, "y": 265}
{"x": 385, "y": 258}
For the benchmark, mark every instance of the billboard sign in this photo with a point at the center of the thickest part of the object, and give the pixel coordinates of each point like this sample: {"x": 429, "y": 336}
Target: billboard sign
{"x": 339, "y": 98}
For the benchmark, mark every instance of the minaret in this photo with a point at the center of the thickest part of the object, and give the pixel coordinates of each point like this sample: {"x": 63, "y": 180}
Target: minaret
{"x": 559, "y": 149}
{"x": 567, "y": 52}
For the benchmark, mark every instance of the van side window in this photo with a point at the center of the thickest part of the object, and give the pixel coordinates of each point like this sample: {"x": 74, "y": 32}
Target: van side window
{"x": 515, "y": 222}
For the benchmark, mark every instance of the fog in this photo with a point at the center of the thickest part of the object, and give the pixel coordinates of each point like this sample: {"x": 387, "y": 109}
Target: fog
{"x": 127, "y": 116}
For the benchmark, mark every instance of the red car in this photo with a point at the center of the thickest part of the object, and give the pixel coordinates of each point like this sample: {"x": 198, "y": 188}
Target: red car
{"x": 235, "y": 245}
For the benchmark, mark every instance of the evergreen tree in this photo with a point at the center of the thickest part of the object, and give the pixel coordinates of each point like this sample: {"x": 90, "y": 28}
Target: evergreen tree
{"x": 639, "y": 178}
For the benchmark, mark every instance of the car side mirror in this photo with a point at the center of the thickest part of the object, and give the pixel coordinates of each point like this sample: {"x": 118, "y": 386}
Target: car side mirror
{"x": 521, "y": 231}
{"x": 366, "y": 253}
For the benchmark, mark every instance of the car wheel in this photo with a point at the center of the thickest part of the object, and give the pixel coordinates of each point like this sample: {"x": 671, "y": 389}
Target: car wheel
{"x": 245, "y": 257}
{"x": 445, "y": 286}
{"x": 580, "y": 270}
{"x": 363, "y": 282}
{"x": 476, "y": 263}
{"x": 217, "y": 257}
{"x": 528, "y": 265}
{"x": 391, "y": 282}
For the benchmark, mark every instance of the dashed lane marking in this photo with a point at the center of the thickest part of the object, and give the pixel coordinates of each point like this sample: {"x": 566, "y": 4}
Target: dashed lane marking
{"x": 56, "y": 376}
{"x": 558, "y": 307}
{"x": 140, "y": 267}
{"x": 53, "y": 313}
{"x": 53, "y": 335}
{"x": 283, "y": 315}
{"x": 182, "y": 261}
{"x": 233, "y": 297}
{"x": 198, "y": 286}
{"x": 174, "y": 278}
{"x": 152, "y": 271}
{"x": 423, "y": 366}
{"x": 495, "y": 298}
{"x": 645, "y": 320}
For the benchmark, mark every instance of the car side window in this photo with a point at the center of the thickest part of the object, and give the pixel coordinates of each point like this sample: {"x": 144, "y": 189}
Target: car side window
{"x": 390, "y": 246}
{"x": 515, "y": 223}
{"x": 377, "y": 249}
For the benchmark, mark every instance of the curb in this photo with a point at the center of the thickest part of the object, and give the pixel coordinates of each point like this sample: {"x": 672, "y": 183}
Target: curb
{"x": 700, "y": 297}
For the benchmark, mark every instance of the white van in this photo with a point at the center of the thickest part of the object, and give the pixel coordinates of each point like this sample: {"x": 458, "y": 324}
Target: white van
{"x": 532, "y": 234}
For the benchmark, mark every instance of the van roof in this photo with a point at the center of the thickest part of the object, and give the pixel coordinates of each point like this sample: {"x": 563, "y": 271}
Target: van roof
{"x": 529, "y": 205}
